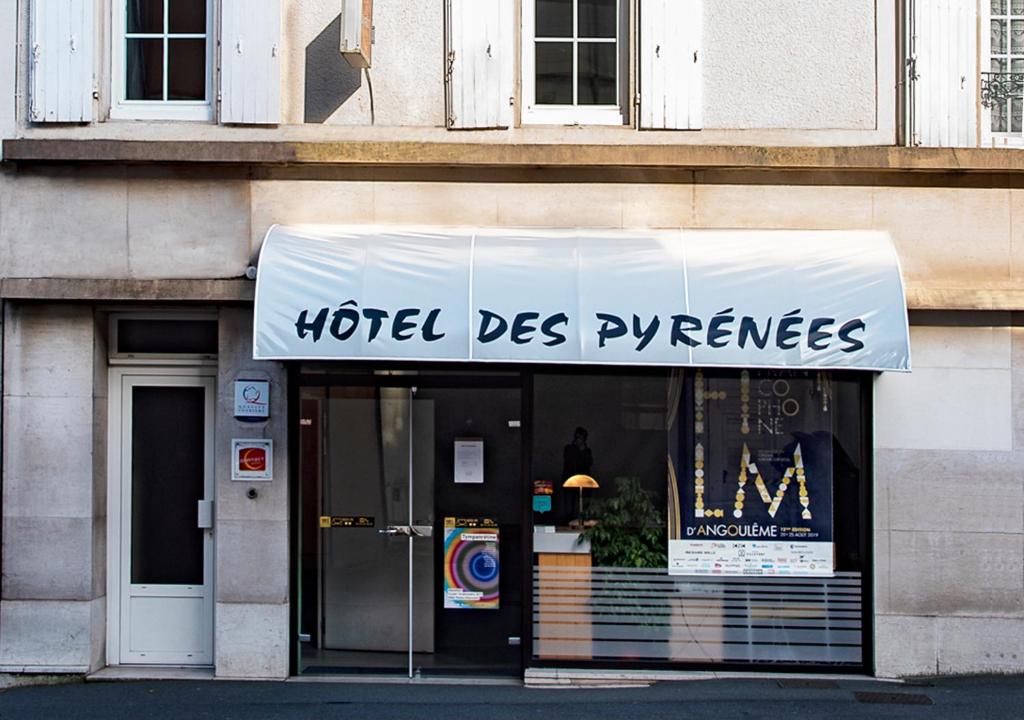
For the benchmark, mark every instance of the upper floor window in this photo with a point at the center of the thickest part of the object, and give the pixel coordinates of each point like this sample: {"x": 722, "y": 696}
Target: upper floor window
{"x": 574, "y": 61}
{"x": 162, "y": 59}
{"x": 1006, "y": 55}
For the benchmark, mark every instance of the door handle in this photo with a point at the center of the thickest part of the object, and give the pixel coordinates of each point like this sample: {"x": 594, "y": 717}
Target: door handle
{"x": 204, "y": 514}
{"x": 408, "y": 530}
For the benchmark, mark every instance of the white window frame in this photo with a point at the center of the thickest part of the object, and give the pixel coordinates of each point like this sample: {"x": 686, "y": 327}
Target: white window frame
{"x": 534, "y": 114}
{"x": 988, "y": 137}
{"x": 123, "y": 109}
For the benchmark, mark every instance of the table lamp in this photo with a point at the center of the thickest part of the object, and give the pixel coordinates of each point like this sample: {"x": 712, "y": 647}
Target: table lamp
{"x": 581, "y": 482}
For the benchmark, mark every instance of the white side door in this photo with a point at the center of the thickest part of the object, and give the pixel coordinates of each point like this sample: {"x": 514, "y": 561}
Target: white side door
{"x": 161, "y": 540}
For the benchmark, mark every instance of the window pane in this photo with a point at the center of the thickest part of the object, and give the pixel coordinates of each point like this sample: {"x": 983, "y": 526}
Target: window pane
{"x": 554, "y": 18}
{"x": 1017, "y": 37}
{"x": 145, "y": 16}
{"x": 998, "y": 7}
{"x": 597, "y": 74}
{"x": 998, "y": 33}
{"x": 597, "y": 18}
{"x": 1016, "y": 6}
{"x": 186, "y": 70}
{"x": 144, "y": 72}
{"x": 998, "y": 65}
{"x": 554, "y": 73}
{"x": 999, "y": 123}
{"x": 1016, "y": 114}
{"x": 135, "y": 336}
{"x": 186, "y": 16}
{"x": 168, "y": 440}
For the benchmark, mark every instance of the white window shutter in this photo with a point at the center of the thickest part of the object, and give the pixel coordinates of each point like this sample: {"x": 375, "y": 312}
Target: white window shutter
{"x": 61, "y": 60}
{"x": 945, "y": 73}
{"x": 480, "y": 45}
{"x": 250, "y": 62}
{"x": 670, "y": 66}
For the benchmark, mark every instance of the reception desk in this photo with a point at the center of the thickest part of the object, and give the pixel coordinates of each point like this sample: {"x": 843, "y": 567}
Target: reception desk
{"x": 561, "y": 594}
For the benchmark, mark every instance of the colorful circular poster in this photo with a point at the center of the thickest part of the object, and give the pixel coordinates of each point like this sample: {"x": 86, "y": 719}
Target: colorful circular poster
{"x": 471, "y": 568}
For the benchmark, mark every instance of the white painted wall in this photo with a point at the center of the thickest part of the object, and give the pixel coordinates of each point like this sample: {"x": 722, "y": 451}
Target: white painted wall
{"x": 770, "y": 66}
{"x": 8, "y": 69}
{"x": 791, "y": 63}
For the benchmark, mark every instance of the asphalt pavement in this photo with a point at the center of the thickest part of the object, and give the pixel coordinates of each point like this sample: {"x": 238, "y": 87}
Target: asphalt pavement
{"x": 985, "y": 698}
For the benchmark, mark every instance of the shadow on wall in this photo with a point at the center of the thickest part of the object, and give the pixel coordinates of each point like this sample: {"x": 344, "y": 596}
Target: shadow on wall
{"x": 330, "y": 80}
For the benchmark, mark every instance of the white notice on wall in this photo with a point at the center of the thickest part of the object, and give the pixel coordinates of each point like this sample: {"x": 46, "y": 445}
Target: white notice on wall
{"x": 469, "y": 460}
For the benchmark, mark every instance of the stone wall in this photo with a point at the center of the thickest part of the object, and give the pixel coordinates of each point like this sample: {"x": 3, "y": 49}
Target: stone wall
{"x": 949, "y": 501}
{"x": 53, "y": 610}
{"x": 252, "y": 543}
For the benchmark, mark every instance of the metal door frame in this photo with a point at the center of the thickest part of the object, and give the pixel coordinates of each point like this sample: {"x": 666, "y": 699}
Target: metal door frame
{"x": 119, "y": 447}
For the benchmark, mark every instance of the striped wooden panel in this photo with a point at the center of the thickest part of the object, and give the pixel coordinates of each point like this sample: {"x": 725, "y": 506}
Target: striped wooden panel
{"x": 641, "y": 614}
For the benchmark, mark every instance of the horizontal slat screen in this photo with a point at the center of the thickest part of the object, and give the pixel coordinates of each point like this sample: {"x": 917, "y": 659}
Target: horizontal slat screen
{"x": 583, "y": 613}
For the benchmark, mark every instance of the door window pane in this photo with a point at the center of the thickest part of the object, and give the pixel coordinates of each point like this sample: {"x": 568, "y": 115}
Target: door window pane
{"x": 145, "y": 75}
{"x": 186, "y": 66}
{"x": 998, "y": 34}
{"x": 597, "y": 74}
{"x": 554, "y": 18}
{"x": 168, "y": 467}
{"x": 186, "y": 16}
{"x": 145, "y": 16}
{"x": 597, "y": 18}
{"x": 554, "y": 73}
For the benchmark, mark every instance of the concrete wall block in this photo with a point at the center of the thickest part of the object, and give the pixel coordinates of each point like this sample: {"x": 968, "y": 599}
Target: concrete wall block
{"x": 298, "y": 202}
{"x": 782, "y": 206}
{"x": 48, "y": 457}
{"x": 439, "y": 203}
{"x": 905, "y": 646}
{"x": 187, "y": 228}
{"x": 49, "y": 351}
{"x": 801, "y": 48}
{"x": 252, "y": 561}
{"x": 251, "y": 641}
{"x": 924, "y": 489}
{"x": 963, "y": 347}
{"x": 48, "y": 558}
{"x": 573, "y": 204}
{"x": 980, "y": 645}
{"x": 944, "y": 409}
{"x": 235, "y": 362}
{"x": 98, "y": 657}
{"x": 882, "y": 572}
{"x": 936, "y": 232}
{"x": 957, "y": 573}
{"x": 47, "y": 633}
{"x": 78, "y": 214}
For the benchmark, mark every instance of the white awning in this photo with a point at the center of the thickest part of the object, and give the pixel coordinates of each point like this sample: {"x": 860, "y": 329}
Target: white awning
{"x": 709, "y": 298}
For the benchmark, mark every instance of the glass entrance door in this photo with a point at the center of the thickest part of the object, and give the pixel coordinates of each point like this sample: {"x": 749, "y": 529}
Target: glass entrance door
{"x": 411, "y": 523}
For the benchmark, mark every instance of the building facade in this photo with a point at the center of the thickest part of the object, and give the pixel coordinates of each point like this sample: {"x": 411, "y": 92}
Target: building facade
{"x": 172, "y": 497}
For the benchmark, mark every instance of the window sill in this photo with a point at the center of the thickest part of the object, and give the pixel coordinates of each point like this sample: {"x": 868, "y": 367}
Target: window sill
{"x": 188, "y": 112}
{"x": 568, "y": 115}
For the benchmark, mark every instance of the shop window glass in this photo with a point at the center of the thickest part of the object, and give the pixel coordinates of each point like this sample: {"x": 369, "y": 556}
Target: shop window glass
{"x": 728, "y": 523}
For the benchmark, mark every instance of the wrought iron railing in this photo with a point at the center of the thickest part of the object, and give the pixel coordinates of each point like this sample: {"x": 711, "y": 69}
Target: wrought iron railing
{"x": 999, "y": 87}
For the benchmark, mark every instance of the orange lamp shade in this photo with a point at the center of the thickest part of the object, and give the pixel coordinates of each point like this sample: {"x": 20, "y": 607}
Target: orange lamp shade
{"x": 580, "y": 481}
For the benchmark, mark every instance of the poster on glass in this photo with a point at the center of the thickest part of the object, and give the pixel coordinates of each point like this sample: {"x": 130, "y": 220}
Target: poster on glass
{"x": 754, "y": 476}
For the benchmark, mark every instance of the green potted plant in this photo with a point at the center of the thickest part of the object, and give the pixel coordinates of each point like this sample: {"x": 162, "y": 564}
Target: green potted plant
{"x": 626, "y": 530}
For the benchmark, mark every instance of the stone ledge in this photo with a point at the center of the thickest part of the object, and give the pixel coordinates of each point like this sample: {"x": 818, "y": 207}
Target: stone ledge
{"x": 520, "y": 154}
{"x": 237, "y": 290}
{"x": 165, "y": 290}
